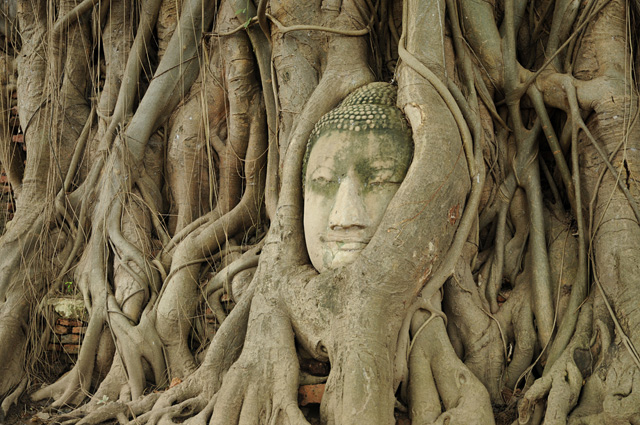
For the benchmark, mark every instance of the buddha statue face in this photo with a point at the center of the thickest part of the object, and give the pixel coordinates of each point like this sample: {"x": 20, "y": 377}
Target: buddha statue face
{"x": 351, "y": 175}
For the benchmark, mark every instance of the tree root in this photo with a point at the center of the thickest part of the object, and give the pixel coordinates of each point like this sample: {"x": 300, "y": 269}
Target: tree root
{"x": 436, "y": 374}
{"x": 74, "y": 387}
{"x": 262, "y": 386}
{"x": 12, "y": 398}
{"x": 562, "y": 383}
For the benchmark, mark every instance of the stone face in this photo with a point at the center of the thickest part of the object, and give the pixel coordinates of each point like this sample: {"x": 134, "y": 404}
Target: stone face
{"x": 350, "y": 179}
{"x": 68, "y": 308}
{"x": 357, "y": 157}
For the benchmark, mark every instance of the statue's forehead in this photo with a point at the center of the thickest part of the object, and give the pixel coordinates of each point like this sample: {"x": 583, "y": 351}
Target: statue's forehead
{"x": 363, "y": 143}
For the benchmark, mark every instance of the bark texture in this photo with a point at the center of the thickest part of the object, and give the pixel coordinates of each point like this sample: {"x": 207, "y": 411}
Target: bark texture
{"x": 162, "y": 186}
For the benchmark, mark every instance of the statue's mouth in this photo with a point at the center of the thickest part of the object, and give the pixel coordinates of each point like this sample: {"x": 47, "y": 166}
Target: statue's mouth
{"x": 351, "y": 245}
{"x": 347, "y": 243}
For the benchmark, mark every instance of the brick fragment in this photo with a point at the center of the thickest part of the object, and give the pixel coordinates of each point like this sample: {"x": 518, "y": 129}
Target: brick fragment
{"x": 60, "y": 330}
{"x": 310, "y": 394}
{"x": 18, "y": 138}
{"x": 403, "y": 420}
{"x": 70, "y": 339}
{"x": 71, "y": 348}
{"x": 69, "y": 322}
{"x": 79, "y": 329}
{"x": 54, "y": 347}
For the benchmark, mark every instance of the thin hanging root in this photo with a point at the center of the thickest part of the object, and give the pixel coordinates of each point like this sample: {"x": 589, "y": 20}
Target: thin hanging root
{"x": 554, "y": 144}
{"x": 580, "y": 286}
{"x": 497, "y": 266}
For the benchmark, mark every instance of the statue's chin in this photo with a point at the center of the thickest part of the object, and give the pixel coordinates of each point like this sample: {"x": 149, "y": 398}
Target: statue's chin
{"x": 343, "y": 256}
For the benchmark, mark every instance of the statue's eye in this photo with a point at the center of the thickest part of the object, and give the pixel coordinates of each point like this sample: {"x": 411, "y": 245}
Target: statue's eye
{"x": 383, "y": 181}
{"x": 323, "y": 180}
{"x": 382, "y": 178}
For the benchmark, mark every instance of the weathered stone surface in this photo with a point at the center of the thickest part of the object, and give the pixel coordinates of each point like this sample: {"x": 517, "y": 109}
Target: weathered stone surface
{"x": 68, "y": 307}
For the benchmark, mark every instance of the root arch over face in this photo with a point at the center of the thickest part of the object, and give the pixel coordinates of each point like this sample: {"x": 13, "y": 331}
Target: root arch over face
{"x": 163, "y": 186}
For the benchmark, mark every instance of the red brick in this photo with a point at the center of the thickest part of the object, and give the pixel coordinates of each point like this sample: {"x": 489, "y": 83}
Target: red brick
{"x": 70, "y": 339}
{"x": 54, "y": 347}
{"x": 71, "y": 348}
{"x": 79, "y": 329}
{"x": 310, "y": 394}
{"x": 69, "y": 322}
{"x": 18, "y": 138}
{"x": 60, "y": 330}
{"x": 403, "y": 420}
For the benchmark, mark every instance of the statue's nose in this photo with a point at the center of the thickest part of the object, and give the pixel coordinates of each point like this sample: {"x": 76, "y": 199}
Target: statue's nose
{"x": 349, "y": 211}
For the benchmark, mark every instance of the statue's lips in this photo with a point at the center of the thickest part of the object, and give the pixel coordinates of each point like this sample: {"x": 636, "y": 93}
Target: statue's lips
{"x": 351, "y": 246}
{"x": 347, "y": 244}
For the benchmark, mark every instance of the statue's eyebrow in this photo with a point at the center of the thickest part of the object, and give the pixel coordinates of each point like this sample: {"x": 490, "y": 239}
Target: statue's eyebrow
{"x": 320, "y": 168}
{"x": 384, "y": 163}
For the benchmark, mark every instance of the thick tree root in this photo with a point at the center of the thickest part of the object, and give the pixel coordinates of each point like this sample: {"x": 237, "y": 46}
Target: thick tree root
{"x": 438, "y": 375}
{"x": 12, "y": 398}
{"x": 261, "y": 387}
{"x": 562, "y": 384}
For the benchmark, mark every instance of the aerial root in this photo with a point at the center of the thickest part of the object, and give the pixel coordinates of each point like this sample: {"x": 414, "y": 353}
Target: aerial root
{"x": 12, "y": 398}
{"x": 114, "y": 410}
{"x": 183, "y": 400}
{"x": 561, "y": 388}
{"x": 166, "y": 414}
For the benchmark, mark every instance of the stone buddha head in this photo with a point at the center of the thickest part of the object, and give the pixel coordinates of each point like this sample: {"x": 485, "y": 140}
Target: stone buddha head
{"x": 357, "y": 157}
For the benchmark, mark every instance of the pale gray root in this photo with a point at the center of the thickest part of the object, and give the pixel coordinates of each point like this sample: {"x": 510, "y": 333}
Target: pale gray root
{"x": 479, "y": 332}
{"x": 562, "y": 384}
{"x": 438, "y": 376}
{"x": 242, "y": 159}
{"x": 274, "y": 399}
{"x": 190, "y": 167}
{"x": 12, "y": 312}
{"x": 202, "y": 385}
{"x": 13, "y": 397}
{"x": 27, "y": 239}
